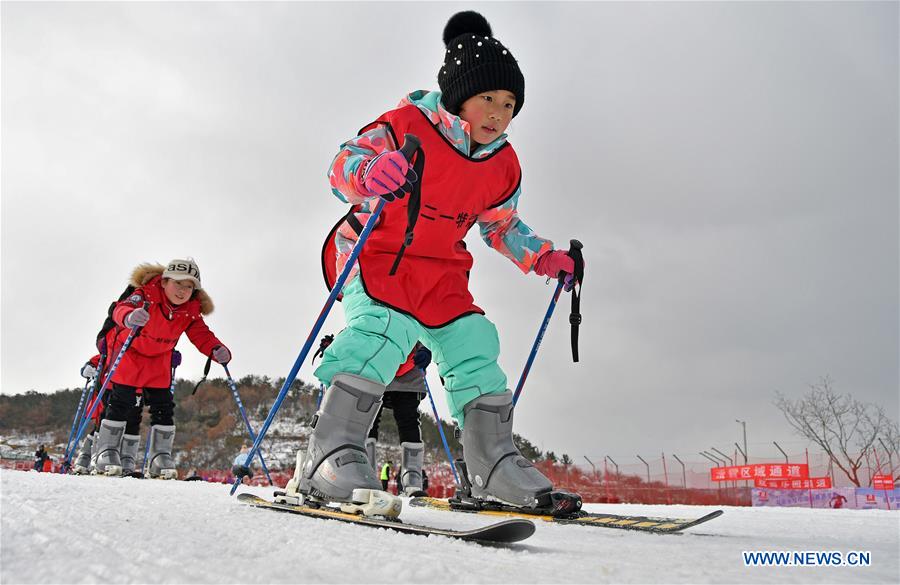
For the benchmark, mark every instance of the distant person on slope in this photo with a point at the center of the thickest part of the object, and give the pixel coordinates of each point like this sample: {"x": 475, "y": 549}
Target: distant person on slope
{"x": 39, "y": 456}
{"x": 402, "y": 396}
{"x": 240, "y": 467}
{"x": 175, "y": 304}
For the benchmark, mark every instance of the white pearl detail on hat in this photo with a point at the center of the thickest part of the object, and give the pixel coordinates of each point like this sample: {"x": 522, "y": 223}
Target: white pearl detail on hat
{"x": 459, "y": 46}
{"x": 479, "y": 43}
{"x": 504, "y": 51}
{"x": 458, "y": 62}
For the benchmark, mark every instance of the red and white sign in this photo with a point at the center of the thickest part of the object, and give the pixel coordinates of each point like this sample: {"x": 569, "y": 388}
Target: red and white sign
{"x": 760, "y": 471}
{"x": 882, "y": 482}
{"x": 810, "y": 483}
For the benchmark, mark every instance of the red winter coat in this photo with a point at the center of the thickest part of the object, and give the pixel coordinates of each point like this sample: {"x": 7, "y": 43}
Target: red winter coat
{"x": 148, "y": 361}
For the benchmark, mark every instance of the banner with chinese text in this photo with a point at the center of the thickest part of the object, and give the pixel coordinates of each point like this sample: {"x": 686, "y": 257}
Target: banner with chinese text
{"x": 882, "y": 482}
{"x": 760, "y": 471}
{"x": 810, "y": 483}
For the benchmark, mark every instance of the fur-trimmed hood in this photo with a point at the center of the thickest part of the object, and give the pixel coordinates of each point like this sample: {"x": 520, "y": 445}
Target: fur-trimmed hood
{"x": 144, "y": 273}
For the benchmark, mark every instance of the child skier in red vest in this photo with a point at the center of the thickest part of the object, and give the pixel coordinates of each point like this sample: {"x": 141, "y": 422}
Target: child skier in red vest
{"x": 411, "y": 283}
{"x": 175, "y": 304}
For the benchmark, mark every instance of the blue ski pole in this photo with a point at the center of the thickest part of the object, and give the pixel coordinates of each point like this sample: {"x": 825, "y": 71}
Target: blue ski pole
{"x": 440, "y": 427}
{"x": 563, "y": 282}
{"x": 69, "y": 452}
{"x": 537, "y": 342}
{"x": 410, "y": 145}
{"x": 237, "y": 398}
{"x": 321, "y": 395}
{"x": 106, "y": 381}
{"x": 87, "y": 383}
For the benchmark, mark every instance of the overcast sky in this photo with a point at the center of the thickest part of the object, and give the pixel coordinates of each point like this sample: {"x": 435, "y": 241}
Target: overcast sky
{"x": 731, "y": 168}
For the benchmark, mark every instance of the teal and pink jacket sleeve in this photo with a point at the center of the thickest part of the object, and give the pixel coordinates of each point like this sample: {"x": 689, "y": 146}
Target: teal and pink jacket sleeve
{"x": 503, "y": 230}
{"x": 344, "y": 173}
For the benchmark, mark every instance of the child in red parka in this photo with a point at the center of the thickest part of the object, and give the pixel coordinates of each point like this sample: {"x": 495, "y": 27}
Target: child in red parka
{"x": 166, "y": 302}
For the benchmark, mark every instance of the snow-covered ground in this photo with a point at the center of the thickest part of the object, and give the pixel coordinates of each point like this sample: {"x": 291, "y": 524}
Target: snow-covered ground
{"x": 66, "y": 529}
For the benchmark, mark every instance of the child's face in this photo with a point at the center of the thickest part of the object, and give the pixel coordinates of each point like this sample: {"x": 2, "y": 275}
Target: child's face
{"x": 178, "y": 291}
{"x": 488, "y": 114}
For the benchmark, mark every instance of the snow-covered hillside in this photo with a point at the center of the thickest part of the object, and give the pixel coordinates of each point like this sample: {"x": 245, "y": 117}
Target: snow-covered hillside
{"x": 66, "y": 529}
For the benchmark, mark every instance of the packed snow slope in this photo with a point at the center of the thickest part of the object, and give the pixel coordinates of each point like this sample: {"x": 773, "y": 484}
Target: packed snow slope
{"x": 67, "y": 529}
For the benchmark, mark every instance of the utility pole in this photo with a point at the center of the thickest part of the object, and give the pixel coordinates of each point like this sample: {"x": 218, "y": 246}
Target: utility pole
{"x": 683, "y": 472}
{"x": 648, "y": 469}
{"x": 617, "y": 468}
{"x": 716, "y": 461}
{"x": 592, "y": 465}
{"x": 782, "y": 451}
{"x": 717, "y": 464}
{"x": 730, "y": 460}
{"x": 744, "y": 452}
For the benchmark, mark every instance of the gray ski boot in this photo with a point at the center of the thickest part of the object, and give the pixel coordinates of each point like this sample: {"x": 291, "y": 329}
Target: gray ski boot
{"x": 335, "y": 467}
{"x": 128, "y": 453}
{"x": 161, "y": 464}
{"x": 82, "y": 465}
{"x": 107, "y": 447}
{"x": 370, "y": 451}
{"x": 494, "y": 469}
{"x": 411, "y": 469}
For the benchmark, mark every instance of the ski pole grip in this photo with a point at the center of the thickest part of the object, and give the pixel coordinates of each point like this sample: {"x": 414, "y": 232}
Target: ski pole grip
{"x": 574, "y": 253}
{"x": 411, "y": 144}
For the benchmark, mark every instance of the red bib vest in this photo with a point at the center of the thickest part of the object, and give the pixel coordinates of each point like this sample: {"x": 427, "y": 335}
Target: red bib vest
{"x": 431, "y": 280}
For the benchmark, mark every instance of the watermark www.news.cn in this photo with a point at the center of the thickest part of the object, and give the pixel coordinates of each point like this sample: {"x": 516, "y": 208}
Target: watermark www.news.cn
{"x": 807, "y": 558}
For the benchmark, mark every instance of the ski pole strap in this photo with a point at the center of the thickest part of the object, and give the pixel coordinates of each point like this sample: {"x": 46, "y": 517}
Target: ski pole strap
{"x": 575, "y": 286}
{"x": 326, "y": 341}
{"x": 412, "y": 209}
{"x": 205, "y": 373}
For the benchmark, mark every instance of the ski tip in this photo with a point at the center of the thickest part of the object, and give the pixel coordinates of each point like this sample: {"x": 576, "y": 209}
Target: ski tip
{"x": 250, "y": 498}
{"x": 508, "y": 531}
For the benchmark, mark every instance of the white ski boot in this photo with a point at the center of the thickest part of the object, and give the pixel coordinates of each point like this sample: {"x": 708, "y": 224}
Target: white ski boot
{"x": 413, "y": 458}
{"x": 336, "y": 467}
{"x": 128, "y": 453}
{"x": 161, "y": 464}
{"x": 107, "y": 448}
{"x": 82, "y": 465}
{"x": 370, "y": 451}
{"x": 494, "y": 469}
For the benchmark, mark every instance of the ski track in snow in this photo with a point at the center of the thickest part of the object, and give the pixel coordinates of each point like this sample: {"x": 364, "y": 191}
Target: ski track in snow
{"x": 67, "y": 529}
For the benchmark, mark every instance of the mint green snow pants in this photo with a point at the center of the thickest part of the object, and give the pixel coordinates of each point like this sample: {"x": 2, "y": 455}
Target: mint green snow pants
{"x": 378, "y": 339}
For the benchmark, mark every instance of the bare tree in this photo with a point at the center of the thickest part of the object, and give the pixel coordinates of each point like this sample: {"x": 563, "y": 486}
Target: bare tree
{"x": 890, "y": 449}
{"x": 843, "y": 427}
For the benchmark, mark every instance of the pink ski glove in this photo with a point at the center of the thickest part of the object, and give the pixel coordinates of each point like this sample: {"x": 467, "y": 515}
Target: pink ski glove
{"x": 553, "y": 262}
{"x": 385, "y": 176}
{"x": 221, "y": 354}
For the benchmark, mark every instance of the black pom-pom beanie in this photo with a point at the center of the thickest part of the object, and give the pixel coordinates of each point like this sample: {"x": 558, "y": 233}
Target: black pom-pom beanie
{"x": 475, "y": 61}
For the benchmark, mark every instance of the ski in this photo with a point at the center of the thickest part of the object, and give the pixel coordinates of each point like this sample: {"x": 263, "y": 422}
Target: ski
{"x": 640, "y": 523}
{"x": 505, "y": 532}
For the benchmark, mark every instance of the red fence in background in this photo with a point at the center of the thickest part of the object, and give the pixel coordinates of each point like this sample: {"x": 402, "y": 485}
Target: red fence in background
{"x": 593, "y": 488}
{"x": 656, "y": 482}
